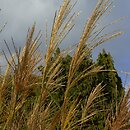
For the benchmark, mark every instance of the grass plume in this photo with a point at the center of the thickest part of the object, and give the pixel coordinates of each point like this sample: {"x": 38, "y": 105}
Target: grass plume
{"x": 27, "y": 99}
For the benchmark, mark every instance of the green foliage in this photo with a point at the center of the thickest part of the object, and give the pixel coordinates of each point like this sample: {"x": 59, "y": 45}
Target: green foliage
{"x": 109, "y": 78}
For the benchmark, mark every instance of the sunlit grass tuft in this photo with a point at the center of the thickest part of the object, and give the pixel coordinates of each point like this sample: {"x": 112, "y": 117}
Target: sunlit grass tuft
{"x": 26, "y": 97}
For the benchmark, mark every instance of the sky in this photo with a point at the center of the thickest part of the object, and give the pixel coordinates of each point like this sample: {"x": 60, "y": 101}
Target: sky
{"x": 21, "y": 14}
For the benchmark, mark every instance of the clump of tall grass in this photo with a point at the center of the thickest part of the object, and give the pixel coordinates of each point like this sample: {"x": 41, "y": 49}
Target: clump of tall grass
{"x": 26, "y": 99}
{"x": 120, "y": 118}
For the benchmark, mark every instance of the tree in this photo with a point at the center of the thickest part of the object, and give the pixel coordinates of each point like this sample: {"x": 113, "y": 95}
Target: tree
{"x": 82, "y": 89}
{"x": 110, "y": 78}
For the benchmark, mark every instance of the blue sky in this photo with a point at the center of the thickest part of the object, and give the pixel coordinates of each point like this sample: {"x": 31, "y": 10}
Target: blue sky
{"x": 21, "y": 14}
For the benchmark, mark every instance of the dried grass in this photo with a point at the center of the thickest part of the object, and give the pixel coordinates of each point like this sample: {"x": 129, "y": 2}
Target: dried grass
{"x": 21, "y": 79}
